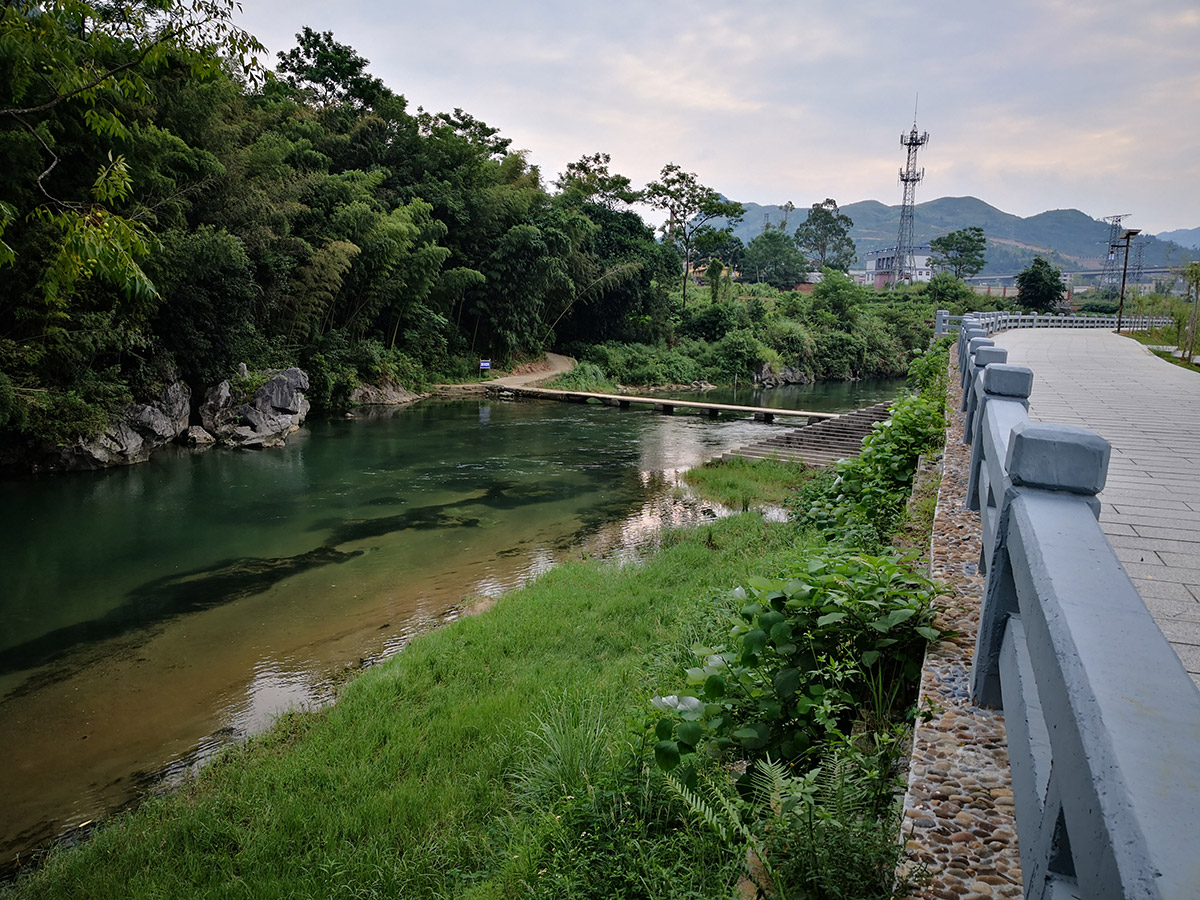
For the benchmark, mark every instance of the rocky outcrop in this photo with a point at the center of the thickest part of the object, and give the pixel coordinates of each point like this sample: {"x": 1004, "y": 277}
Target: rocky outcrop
{"x": 787, "y": 375}
{"x": 196, "y": 436}
{"x": 384, "y": 394}
{"x": 141, "y": 429}
{"x": 275, "y": 410}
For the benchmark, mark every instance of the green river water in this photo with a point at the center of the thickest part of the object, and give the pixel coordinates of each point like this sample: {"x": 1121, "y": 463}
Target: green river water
{"x": 156, "y": 613}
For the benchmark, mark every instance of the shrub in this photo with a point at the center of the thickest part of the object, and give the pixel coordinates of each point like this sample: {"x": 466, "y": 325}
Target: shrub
{"x": 839, "y": 634}
{"x": 587, "y": 376}
{"x": 862, "y": 501}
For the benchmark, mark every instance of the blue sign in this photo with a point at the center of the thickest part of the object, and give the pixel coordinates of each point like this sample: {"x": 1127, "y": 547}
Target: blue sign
{"x": 485, "y": 364}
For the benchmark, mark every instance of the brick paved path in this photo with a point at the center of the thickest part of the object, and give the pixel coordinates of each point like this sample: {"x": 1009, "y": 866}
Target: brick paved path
{"x": 1149, "y": 410}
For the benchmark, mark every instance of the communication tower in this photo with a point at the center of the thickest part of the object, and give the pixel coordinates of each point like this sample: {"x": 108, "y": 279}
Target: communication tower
{"x": 910, "y": 177}
{"x": 1111, "y": 277}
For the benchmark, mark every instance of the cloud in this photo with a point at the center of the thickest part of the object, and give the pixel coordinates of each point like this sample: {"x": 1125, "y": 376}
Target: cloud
{"x": 1031, "y": 104}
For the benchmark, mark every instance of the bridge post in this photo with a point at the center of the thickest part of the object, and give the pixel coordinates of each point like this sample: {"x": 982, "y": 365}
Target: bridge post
{"x": 984, "y": 357}
{"x": 969, "y": 363}
{"x": 1042, "y": 457}
{"x": 1008, "y": 387}
{"x": 965, "y": 334}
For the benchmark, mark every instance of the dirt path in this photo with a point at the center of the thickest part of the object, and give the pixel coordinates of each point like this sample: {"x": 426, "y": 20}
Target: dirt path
{"x": 553, "y": 364}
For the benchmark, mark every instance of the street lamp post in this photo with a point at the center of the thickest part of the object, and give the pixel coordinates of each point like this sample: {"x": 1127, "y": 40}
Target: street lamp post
{"x": 1127, "y": 235}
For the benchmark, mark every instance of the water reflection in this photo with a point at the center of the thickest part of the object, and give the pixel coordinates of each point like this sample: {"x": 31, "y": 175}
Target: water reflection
{"x": 158, "y": 613}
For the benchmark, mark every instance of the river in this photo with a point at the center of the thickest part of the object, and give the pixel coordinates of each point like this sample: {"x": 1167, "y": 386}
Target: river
{"x": 154, "y": 614}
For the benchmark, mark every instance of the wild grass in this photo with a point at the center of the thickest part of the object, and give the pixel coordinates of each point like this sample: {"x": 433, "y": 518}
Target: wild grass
{"x": 410, "y": 786}
{"x": 916, "y": 528}
{"x": 740, "y": 483}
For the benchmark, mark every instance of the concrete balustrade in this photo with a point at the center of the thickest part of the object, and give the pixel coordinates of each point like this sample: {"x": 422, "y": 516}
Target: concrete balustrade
{"x": 992, "y": 322}
{"x": 1103, "y": 720}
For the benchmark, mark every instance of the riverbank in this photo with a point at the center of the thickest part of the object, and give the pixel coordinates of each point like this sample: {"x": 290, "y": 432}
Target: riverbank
{"x": 405, "y": 786}
{"x": 505, "y": 754}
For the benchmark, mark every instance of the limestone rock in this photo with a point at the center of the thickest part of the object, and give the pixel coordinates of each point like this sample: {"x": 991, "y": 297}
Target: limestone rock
{"x": 141, "y": 429}
{"x": 383, "y": 394}
{"x": 787, "y": 375}
{"x": 276, "y": 410}
{"x": 196, "y": 436}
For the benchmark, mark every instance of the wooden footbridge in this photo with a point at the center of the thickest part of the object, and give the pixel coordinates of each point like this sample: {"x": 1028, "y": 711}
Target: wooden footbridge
{"x": 664, "y": 405}
{"x": 826, "y": 437}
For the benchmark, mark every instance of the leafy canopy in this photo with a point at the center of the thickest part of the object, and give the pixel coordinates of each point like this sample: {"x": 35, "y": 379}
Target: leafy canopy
{"x": 825, "y": 237}
{"x": 962, "y": 252}
{"x": 689, "y": 205}
{"x": 1040, "y": 285}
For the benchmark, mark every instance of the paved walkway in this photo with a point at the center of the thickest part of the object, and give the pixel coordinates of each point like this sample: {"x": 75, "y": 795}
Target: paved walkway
{"x": 1149, "y": 410}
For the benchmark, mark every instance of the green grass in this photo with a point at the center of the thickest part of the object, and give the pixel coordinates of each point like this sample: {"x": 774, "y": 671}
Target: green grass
{"x": 1172, "y": 358}
{"x": 739, "y": 483}
{"x": 409, "y": 786}
{"x": 916, "y": 528}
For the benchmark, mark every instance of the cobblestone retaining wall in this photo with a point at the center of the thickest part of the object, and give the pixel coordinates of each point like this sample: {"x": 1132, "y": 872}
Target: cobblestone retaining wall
{"x": 958, "y": 810}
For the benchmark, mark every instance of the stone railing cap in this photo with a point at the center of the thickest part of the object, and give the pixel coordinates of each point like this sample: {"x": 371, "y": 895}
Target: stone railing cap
{"x": 1057, "y": 458}
{"x": 1007, "y": 380}
{"x": 986, "y": 356}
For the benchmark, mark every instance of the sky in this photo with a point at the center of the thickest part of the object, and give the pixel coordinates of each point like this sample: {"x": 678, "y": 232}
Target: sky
{"x": 1030, "y": 105}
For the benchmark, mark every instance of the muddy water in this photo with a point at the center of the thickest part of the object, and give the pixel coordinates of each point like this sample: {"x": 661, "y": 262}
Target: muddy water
{"x": 152, "y": 615}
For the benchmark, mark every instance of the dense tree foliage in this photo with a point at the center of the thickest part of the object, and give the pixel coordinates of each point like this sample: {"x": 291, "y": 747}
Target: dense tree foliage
{"x": 772, "y": 258}
{"x": 825, "y": 237}
{"x": 1040, "y": 285}
{"x": 163, "y": 212}
{"x": 963, "y": 253}
{"x": 167, "y": 211}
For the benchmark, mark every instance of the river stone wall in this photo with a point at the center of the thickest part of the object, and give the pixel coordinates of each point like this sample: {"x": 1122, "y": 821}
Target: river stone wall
{"x": 959, "y": 818}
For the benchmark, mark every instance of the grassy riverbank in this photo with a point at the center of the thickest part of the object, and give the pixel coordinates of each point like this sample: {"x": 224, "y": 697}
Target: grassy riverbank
{"x": 408, "y": 785}
{"x": 579, "y": 738}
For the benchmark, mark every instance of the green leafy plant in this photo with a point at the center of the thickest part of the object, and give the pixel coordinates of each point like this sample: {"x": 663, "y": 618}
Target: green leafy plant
{"x": 807, "y": 653}
{"x": 862, "y": 502}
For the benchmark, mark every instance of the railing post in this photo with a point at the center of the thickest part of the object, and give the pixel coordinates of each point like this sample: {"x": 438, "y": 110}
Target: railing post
{"x": 941, "y": 322}
{"x": 1000, "y": 382}
{"x": 1043, "y": 457}
{"x": 984, "y": 357}
{"x": 974, "y": 345}
{"x": 968, "y": 331}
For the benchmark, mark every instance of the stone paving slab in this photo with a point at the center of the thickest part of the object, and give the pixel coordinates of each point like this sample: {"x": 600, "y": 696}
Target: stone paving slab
{"x": 1149, "y": 410}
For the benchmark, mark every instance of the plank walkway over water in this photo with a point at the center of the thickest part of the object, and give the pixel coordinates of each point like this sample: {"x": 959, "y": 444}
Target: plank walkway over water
{"x": 665, "y": 405}
{"x": 821, "y": 444}
{"x": 1149, "y": 410}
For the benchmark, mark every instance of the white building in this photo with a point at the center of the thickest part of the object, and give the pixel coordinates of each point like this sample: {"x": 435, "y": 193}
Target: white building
{"x": 879, "y": 266}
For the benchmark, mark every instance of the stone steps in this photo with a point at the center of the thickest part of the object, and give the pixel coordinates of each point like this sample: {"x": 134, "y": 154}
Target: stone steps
{"x": 820, "y": 444}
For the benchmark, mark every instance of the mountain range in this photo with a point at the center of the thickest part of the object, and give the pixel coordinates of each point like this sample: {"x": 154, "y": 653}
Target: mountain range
{"x": 1069, "y": 238}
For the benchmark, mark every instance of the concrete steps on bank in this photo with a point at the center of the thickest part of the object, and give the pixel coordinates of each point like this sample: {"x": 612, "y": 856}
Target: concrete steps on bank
{"x": 820, "y": 444}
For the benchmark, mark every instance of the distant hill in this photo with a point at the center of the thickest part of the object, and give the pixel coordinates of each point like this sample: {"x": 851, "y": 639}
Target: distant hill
{"x": 1184, "y": 237}
{"x": 1071, "y": 239}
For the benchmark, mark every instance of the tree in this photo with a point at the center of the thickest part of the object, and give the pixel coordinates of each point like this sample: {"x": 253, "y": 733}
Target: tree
{"x": 1191, "y": 279}
{"x": 689, "y": 205}
{"x": 329, "y": 72}
{"x": 825, "y": 237}
{"x": 64, "y": 59}
{"x": 945, "y": 291}
{"x": 1040, "y": 285}
{"x": 588, "y": 181}
{"x": 772, "y": 257}
{"x": 961, "y": 252}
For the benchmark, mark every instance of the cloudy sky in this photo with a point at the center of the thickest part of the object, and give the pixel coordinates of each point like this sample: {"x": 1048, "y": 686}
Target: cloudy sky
{"x": 1030, "y": 104}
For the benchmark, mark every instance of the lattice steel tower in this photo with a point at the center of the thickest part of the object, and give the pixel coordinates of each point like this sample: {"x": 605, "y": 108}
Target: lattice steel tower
{"x": 910, "y": 176}
{"x": 1111, "y": 276}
